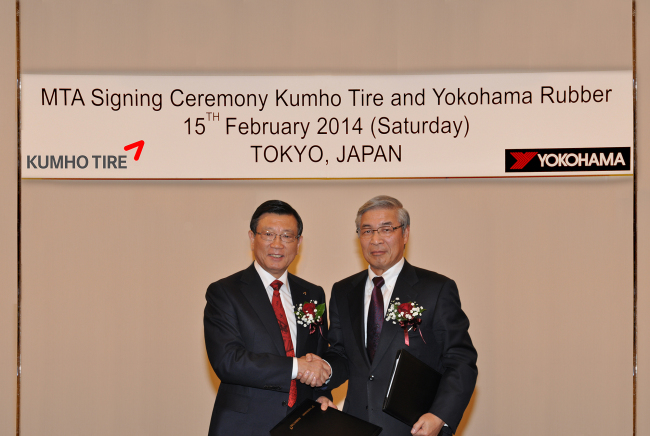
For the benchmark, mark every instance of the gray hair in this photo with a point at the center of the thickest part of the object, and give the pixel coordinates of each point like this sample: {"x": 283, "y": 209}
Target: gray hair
{"x": 385, "y": 202}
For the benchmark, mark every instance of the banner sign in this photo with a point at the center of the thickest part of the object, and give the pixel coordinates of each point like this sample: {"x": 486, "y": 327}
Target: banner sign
{"x": 278, "y": 127}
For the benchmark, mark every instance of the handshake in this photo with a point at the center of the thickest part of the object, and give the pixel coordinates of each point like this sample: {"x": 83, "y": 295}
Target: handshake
{"x": 312, "y": 370}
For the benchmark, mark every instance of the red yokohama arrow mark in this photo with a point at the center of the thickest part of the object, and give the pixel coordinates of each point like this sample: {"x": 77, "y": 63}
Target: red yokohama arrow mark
{"x": 138, "y": 152}
{"x": 522, "y": 159}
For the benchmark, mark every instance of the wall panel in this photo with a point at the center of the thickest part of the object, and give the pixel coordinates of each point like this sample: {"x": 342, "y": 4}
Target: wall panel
{"x": 643, "y": 218}
{"x": 8, "y": 201}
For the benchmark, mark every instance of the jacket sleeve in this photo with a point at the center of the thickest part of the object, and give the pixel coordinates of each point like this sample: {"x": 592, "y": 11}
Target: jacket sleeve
{"x": 458, "y": 357}
{"x": 336, "y": 355}
{"x": 234, "y": 359}
{"x": 323, "y": 346}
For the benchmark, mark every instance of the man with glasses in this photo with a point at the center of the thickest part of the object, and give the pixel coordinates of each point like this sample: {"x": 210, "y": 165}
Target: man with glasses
{"x": 363, "y": 344}
{"x": 252, "y": 336}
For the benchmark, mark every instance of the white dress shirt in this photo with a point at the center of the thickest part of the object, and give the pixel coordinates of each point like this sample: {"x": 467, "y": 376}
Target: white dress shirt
{"x": 390, "y": 278}
{"x": 287, "y": 304}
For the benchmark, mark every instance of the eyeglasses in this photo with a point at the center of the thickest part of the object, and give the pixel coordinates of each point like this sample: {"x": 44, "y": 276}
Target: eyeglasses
{"x": 270, "y": 236}
{"x": 385, "y": 231}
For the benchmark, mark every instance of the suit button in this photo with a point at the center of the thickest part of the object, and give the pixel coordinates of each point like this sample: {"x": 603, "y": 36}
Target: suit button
{"x": 284, "y": 403}
{"x": 371, "y": 378}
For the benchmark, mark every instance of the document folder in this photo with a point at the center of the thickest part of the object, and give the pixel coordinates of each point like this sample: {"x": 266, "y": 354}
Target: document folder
{"x": 412, "y": 388}
{"x": 307, "y": 419}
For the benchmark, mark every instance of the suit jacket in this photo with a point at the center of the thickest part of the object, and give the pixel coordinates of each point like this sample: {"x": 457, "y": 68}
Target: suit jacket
{"x": 448, "y": 347}
{"x": 246, "y": 351}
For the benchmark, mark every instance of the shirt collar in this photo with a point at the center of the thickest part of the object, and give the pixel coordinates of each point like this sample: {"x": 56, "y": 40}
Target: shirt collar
{"x": 267, "y": 278}
{"x": 390, "y": 275}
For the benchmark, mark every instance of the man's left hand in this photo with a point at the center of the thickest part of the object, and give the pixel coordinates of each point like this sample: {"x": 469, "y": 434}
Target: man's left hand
{"x": 428, "y": 425}
{"x": 325, "y": 403}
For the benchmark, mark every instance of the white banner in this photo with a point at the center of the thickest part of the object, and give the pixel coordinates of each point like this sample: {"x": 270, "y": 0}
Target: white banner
{"x": 463, "y": 125}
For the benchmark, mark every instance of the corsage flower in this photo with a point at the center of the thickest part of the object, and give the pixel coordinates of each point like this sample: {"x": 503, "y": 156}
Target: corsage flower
{"x": 310, "y": 314}
{"x": 408, "y": 315}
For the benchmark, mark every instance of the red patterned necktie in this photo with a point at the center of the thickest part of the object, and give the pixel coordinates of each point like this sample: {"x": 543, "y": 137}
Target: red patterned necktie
{"x": 286, "y": 334}
{"x": 375, "y": 317}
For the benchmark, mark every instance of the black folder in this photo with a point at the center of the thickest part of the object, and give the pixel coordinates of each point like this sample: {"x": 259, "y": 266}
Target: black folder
{"x": 412, "y": 388}
{"x": 307, "y": 419}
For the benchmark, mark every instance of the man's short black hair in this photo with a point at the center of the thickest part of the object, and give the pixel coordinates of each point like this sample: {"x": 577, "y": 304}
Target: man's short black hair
{"x": 277, "y": 207}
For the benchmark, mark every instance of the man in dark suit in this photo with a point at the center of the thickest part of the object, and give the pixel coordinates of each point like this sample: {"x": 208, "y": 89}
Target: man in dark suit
{"x": 252, "y": 336}
{"x": 363, "y": 345}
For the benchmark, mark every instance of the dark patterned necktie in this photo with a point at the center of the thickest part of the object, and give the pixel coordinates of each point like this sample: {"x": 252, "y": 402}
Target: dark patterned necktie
{"x": 375, "y": 317}
{"x": 276, "y": 302}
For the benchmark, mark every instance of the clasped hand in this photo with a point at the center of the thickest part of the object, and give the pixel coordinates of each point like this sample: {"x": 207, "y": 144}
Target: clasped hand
{"x": 312, "y": 370}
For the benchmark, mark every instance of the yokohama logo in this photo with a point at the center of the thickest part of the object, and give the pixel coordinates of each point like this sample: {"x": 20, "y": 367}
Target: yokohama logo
{"x": 522, "y": 158}
{"x": 567, "y": 159}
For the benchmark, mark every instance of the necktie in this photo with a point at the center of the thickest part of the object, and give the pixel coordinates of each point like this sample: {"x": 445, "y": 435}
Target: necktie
{"x": 276, "y": 302}
{"x": 375, "y": 317}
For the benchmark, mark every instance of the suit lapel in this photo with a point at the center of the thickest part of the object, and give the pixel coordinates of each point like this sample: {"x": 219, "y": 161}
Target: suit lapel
{"x": 299, "y": 295}
{"x": 405, "y": 292}
{"x": 253, "y": 289}
{"x": 356, "y": 300}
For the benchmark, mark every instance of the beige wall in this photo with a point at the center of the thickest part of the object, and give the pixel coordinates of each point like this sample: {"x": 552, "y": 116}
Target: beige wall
{"x": 8, "y": 196}
{"x": 340, "y": 36}
{"x": 115, "y": 272}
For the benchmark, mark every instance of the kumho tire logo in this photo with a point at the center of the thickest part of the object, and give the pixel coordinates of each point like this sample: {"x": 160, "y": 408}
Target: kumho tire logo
{"x": 543, "y": 160}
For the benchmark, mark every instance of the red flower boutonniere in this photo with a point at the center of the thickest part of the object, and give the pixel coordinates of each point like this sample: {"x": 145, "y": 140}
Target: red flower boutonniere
{"x": 408, "y": 315}
{"x": 310, "y": 314}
